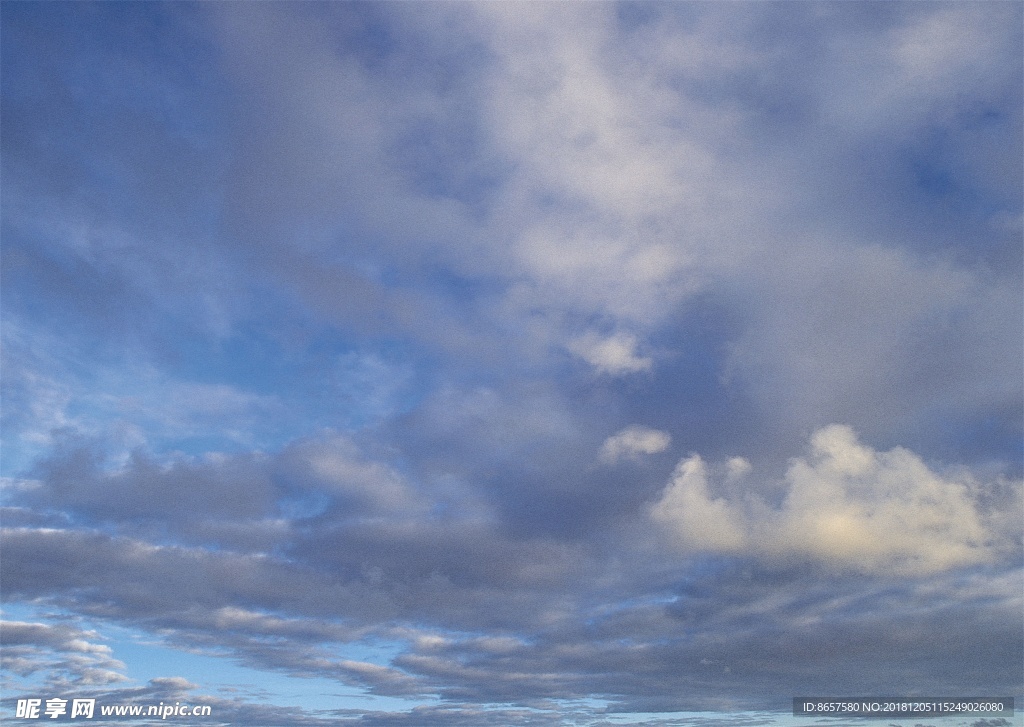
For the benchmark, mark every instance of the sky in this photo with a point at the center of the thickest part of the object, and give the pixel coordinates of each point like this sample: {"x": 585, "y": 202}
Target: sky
{"x": 512, "y": 363}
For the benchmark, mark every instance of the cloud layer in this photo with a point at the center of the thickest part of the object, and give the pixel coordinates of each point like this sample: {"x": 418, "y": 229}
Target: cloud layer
{"x": 511, "y": 363}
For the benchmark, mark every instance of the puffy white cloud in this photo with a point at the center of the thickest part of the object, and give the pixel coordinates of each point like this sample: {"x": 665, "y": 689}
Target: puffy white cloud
{"x": 847, "y": 506}
{"x": 614, "y": 355}
{"x": 700, "y": 521}
{"x": 632, "y": 441}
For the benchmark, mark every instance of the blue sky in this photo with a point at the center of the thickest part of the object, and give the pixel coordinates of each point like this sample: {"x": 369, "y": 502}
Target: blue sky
{"x": 511, "y": 363}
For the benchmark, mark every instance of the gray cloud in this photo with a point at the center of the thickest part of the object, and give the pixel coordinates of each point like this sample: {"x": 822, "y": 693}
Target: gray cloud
{"x": 66, "y": 655}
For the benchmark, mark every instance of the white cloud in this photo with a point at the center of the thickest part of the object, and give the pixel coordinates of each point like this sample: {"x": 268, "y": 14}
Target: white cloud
{"x": 604, "y": 185}
{"x": 698, "y": 520}
{"x": 847, "y": 506}
{"x": 632, "y": 441}
{"x": 933, "y": 61}
{"x": 613, "y": 355}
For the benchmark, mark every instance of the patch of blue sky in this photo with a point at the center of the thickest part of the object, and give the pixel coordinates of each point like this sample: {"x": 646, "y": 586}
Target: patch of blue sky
{"x": 230, "y": 395}
{"x": 141, "y": 49}
{"x": 330, "y": 384}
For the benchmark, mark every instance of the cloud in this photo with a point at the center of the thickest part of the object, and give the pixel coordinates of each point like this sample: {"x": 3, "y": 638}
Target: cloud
{"x": 146, "y": 495}
{"x": 748, "y": 631}
{"x": 317, "y": 316}
{"x": 632, "y": 441}
{"x": 66, "y": 655}
{"x": 614, "y": 355}
{"x": 847, "y": 506}
{"x": 702, "y": 522}
{"x": 932, "y": 58}
{"x": 335, "y": 466}
{"x": 892, "y": 344}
